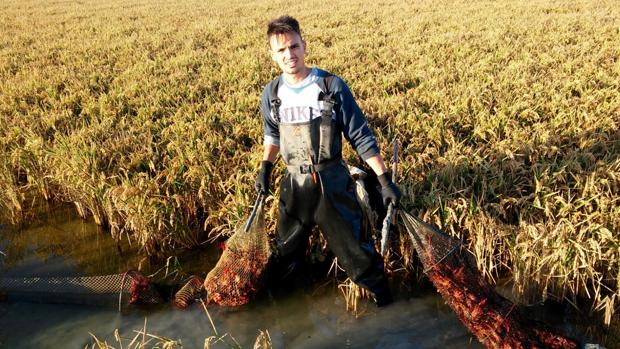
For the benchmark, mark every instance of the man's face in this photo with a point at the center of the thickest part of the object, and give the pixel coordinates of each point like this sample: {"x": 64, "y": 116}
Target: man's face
{"x": 288, "y": 50}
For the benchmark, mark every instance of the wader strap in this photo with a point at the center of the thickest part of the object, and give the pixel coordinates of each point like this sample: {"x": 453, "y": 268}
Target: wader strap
{"x": 309, "y": 168}
{"x": 275, "y": 102}
{"x": 327, "y": 102}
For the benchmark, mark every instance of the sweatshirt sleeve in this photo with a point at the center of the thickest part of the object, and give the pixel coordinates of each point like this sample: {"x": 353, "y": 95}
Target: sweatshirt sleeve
{"x": 270, "y": 126}
{"x": 353, "y": 123}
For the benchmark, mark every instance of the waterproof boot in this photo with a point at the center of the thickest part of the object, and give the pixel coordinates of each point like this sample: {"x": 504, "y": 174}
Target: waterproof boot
{"x": 381, "y": 294}
{"x": 284, "y": 269}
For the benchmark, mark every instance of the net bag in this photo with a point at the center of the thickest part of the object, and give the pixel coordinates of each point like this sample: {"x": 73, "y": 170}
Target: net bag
{"x": 493, "y": 319}
{"x": 236, "y": 276}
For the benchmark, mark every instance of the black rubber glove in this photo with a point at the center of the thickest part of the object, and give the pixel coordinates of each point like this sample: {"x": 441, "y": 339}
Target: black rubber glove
{"x": 389, "y": 190}
{"x": 263, "y": 179}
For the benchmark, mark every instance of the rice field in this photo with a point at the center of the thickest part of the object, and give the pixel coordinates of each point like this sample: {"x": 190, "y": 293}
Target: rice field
{"x": 145, "y": 116}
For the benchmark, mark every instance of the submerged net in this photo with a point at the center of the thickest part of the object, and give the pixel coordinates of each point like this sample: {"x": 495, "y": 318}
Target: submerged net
{"x": 236, "y": 276}
{"x": 110, "y": 290}
{"x": 493, "y": 319}
{"x": 191, "y": 291}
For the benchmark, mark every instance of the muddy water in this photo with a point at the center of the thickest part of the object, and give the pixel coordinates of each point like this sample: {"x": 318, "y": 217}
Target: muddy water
{"x": 310, "y": 316}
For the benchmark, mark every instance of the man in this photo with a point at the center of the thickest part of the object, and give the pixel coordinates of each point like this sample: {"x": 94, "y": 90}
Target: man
{"x": 306, "y": 111}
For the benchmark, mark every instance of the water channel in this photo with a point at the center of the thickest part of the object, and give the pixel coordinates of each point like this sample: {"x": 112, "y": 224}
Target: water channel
{"x": 58, "y": 243}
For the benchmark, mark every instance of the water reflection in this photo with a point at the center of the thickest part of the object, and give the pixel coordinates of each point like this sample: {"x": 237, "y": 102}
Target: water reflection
{"x": 297, "y": 321}
{"x": 59, "y": 243}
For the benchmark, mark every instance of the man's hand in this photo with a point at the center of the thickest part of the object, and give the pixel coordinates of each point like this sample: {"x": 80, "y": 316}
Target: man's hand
{"x": 389, "y": 190}
{"x": 263, "y": 179}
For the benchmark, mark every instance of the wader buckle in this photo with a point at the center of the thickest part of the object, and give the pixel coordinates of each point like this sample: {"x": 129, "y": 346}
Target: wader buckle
{"x": 306, "y": 169}
{"x": 313, "y": 169}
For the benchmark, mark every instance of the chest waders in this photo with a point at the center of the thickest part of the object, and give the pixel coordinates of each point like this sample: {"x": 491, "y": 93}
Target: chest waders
{"x": 318, "y": 189}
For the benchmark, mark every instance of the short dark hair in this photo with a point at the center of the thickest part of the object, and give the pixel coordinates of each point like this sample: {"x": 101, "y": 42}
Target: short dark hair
{"x": 282, "y": 25}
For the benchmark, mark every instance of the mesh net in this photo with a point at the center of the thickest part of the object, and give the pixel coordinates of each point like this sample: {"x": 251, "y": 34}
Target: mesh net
{"x": 493, "y": 319}
{"x": 111, "y": 290}
{"x": 191, "y": 291}
{"x": 236, "y": 276}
